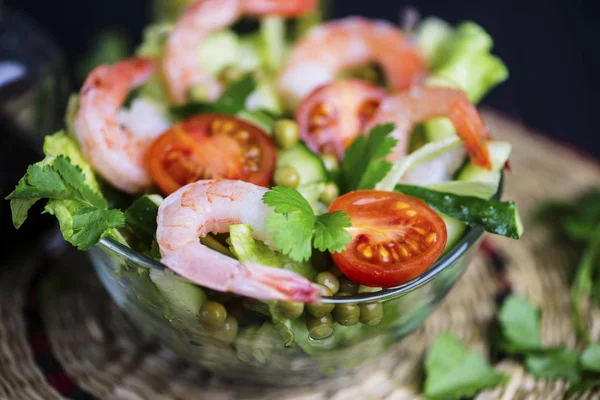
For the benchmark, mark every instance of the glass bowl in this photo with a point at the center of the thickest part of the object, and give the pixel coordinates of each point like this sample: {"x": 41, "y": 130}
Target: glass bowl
{"x": 284, "y": 353}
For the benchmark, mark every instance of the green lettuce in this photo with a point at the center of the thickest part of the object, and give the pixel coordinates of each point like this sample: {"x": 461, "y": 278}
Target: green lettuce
{"x": 461, "y": 58}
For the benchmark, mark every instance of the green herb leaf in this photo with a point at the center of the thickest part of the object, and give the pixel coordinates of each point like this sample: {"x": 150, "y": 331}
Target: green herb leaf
{"x": 560, "y": 363}
{"x": 232, "y": 101}
{"x": 72, "y": 195}
{"x": 520, "y": 324}
{"x": 330, "y": 234}
{"x": 370, "y": 150}
{"x": 583, "y": 283}
{"x": 454, "y": 373}
{"x": 590, "y": 359}
{"x": 293, "y": 222}
{"x": 501, "y": 218}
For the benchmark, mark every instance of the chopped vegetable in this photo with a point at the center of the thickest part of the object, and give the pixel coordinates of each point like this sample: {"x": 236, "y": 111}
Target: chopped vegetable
{"x": 424, "y": 154}
{"x": 370, "y": 150}
{"x": 501, "y": 218}
{"x": 293, "y": 222}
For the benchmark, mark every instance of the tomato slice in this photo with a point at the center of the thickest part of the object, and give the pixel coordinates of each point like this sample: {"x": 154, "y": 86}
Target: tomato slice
{"x": 333, "y": 115}
{"x": 285, "y": 8}
{"x": 211, "y": 146}
{"x": 395, "y": 238}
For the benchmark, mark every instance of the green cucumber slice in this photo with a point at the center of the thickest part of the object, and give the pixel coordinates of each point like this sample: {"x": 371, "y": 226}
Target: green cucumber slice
{"x": 184, "y": 299}
{"x": 310, "y": 167}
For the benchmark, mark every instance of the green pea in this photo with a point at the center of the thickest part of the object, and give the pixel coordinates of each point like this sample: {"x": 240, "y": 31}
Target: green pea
{"x": 330, "y": 162}
{"x": 320, "y": 309}
{"x": 287, "y": 176}
{"x": 228, "y": 332}
{"x": 286, "y": 133}
{"x": 230, "y": 74}
{"x": 330, "y": 193}
{"x": 198, "y": 92}
{"x": 368, "y": 289}
{"x": 348, "y": 286}
{"x": 290, "y": 309}
{"x": 319, "y": 327}
{"x": 371, "y": 313}
{"x": 213, "y": 315}
{"x": 346, "y": 314}
{"x": 329, "y": 280}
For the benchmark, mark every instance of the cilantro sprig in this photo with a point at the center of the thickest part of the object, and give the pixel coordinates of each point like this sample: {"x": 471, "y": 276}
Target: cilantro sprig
{"x": 82, "y": 212}
{"x": 455, "y": 373}
{"x": 520, "y": 335}
{"x": 371, "y": 151}
{"x": 231, "y": 101}
{"x": 297, "y": 229}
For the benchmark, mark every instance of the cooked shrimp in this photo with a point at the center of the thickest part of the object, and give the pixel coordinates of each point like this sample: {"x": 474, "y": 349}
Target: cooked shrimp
{"x": 332, "y": 47}
{"x": 212, "y": 206}
{"x": 114, "y": 141}
{"x": 182, "y": 65}
{"x": 419, "y": 104}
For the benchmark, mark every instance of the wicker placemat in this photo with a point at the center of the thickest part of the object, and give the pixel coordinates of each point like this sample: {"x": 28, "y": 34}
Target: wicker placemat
{"x": 73, "y": 342}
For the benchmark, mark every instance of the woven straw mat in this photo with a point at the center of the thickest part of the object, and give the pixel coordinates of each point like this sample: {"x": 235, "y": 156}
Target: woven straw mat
{"x": 78, "y": 345}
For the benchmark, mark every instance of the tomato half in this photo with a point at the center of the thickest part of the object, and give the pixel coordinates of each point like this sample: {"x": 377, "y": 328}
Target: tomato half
{"x": 333, "y": 115}
{"x": 395, "y": 238}
{"x": 211, "y": 146}
{"x": 285, "y": 8}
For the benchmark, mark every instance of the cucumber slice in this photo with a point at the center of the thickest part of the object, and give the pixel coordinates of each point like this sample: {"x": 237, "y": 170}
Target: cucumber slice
{"x": 184, "y": 299}
{"x": 455, "y": 230}
{"x": 308, "y": 164}
{"x": 219, "y": 50}
{"x": 140, "y": 217}
{"x": 499, "y": 153}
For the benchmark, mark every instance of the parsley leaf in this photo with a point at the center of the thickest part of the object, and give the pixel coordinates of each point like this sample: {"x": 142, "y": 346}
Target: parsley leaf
{"x": 330, "y": 233}
{"x": 294, "y": 224}
{"x": 370, "y": 150}
{"x": 454, "y": 373}
{"x": 71, "y": 192}
{"x": 558, "y": 363}
{"x": 520, "y": 323}
{"x": 590, "y": 359}
{"x": 231, "y": 101}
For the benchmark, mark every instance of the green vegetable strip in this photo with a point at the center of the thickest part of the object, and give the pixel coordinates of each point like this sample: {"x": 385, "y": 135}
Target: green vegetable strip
{"x": 494, "y": 216}
{"x": 424, "y": 154}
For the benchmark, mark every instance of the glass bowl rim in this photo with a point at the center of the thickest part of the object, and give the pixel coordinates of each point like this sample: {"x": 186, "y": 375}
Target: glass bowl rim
{"x": 470, "y": 237}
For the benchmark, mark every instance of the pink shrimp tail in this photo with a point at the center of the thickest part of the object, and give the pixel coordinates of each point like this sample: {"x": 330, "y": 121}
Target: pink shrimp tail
{"x": 271, "y": 283}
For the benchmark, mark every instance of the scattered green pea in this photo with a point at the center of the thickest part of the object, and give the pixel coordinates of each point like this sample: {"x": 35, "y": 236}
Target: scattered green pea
{"x": 290, "y": 309}
{"x": 330, "y": 193}
{"x": 287, "y": 176}
{"x": 346, "y": 314}
{"x": 286, "y": 133}
{"x": 320, "y": 309}
{"x": 319, "y": 327}
{"x": 371, "y": 313}
{"x": 368, "y": 289}
{"x": 213, "y": 315}
{"x": 228, "y": 332}
{"x": 348, "y": 286}
{"x": 329, "y": 280}
{"x": 230, "y": 74}
{"x": 198, "y": 92}
{"x": 330, "y": 162}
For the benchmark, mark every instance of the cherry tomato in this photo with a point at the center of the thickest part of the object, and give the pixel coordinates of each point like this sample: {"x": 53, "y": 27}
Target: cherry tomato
{"x": 285, "y": 8}
{"x": 395, "y": 238}
{"x": 211, "y": 146}
{"x": 333, "y": 115}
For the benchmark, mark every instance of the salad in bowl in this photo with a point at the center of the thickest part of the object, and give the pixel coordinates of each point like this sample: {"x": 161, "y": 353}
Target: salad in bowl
{"x": 275, "y": 197}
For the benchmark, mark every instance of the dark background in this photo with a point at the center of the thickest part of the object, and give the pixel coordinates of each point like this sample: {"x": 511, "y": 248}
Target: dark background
{"x": 551, "y": 49}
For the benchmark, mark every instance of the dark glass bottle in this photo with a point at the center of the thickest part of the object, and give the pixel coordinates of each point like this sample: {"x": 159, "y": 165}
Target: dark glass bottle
{"x": 34, "y": 87}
